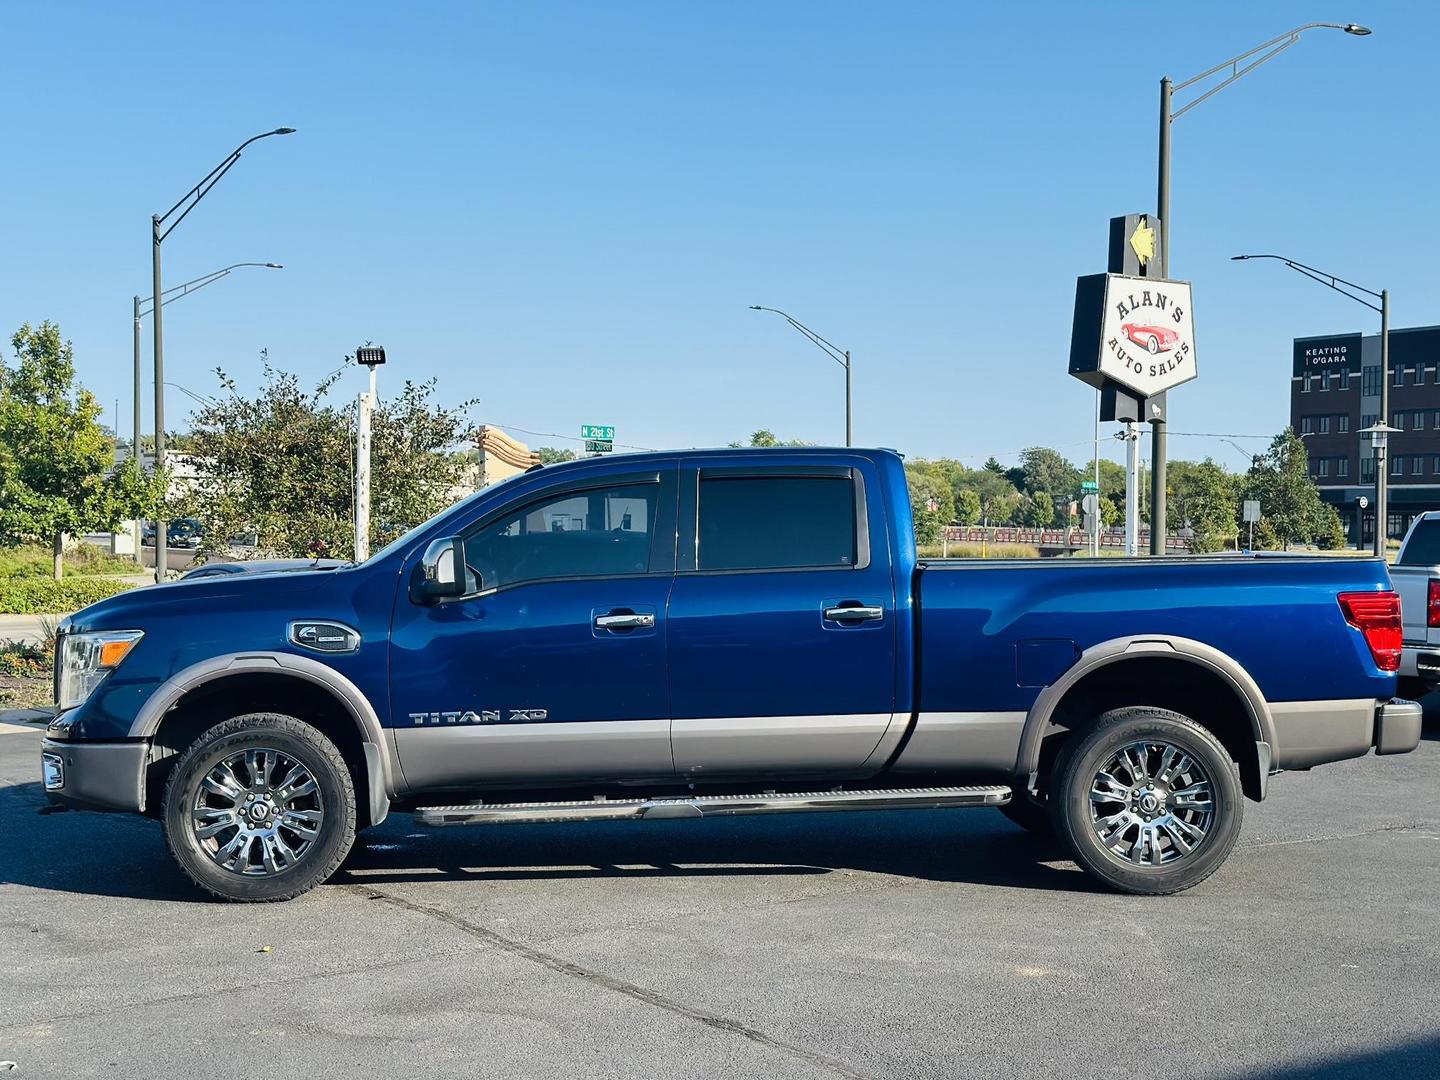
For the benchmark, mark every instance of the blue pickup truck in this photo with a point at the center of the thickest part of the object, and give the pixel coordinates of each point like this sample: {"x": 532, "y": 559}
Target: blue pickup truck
{"x": 681, "y": 635}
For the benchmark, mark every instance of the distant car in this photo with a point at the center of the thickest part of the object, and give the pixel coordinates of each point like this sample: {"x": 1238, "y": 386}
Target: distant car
{"x": 1156, "y": 339}
{"x": 259, "y": 566}
{"x": 180, "y": 533}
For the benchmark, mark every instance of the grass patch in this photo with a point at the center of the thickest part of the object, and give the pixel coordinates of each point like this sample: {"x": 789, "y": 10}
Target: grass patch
{"x": 86, "y": 560}
{"x": 46, "y": 596}
{"x": 977, "y": 551}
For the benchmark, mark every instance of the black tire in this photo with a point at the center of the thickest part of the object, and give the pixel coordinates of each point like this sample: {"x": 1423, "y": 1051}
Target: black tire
{"x": 1076, "y": 772}
{"x": 334, "y": 796}
{"x": 1030, "y": 815}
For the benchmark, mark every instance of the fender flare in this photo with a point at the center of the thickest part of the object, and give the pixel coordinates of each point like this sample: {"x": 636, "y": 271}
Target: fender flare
{"x": 379, "y": 768}
{"x": 1118, "y": 650}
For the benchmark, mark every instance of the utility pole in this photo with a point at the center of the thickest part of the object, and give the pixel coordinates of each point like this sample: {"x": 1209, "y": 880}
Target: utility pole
{"x": 137, "y": 525}
{"x": 1132, "y": 488}
{"x": 371, "y": 356}
{"x": 158, "y": 332}
{"x": 1382, "y": 474}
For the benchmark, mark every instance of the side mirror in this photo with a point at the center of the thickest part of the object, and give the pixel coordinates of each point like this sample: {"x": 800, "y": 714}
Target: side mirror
{"x": 441, "y": 573}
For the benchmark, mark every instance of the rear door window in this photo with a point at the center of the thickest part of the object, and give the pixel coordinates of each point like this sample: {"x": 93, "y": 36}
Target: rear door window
{"x": 1423, "y": 547}
{"x": 776, "y": 522}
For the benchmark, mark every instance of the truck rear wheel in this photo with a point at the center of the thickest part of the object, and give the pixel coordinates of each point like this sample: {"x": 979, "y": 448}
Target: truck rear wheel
{"x": 1148, "y": 801}
{"x": 260, "y": 807}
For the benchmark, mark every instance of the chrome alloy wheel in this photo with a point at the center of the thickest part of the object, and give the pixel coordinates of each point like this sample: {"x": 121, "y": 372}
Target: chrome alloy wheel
{"x": 1151, "y": 804}
{"x": 257, "y": 812}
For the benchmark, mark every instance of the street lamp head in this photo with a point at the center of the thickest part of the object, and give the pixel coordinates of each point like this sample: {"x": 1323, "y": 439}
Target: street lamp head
{"x": 1238, "y": 258}
{"x": 291, "y": 131}
{"x": 1357, "y": 29}
{"x": 274, "y": 266}
{"x": 756, "y": 307}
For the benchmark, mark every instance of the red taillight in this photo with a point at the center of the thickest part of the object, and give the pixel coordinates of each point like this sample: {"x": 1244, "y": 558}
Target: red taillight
{"x": 1432, "y": 605}
{"x": 1377, "y": 616}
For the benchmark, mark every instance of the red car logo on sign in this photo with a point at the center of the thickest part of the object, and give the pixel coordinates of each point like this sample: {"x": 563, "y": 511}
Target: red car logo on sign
{"x": 1155, "y": 339}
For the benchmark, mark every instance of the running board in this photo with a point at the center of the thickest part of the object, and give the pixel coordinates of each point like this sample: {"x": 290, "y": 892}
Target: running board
{"x": 697, "y": 806}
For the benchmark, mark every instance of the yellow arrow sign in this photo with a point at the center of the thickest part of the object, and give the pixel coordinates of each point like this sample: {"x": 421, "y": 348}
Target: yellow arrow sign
{"x": 1142, "y": 241}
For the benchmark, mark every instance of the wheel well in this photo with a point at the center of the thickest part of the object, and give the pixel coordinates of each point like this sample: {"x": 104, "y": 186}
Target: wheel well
{"x": 1167, "y": 683}
{"x": 249, "y": 692}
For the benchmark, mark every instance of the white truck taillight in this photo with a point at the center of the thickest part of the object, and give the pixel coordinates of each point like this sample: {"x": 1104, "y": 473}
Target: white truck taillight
{"x": 1377, "y": 616}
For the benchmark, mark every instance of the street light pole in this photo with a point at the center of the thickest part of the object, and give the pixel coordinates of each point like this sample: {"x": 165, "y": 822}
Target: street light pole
{"x": 840, "y": 356}
{"x": 1168, "y": 115}
{"x": 1343, "y": 287}
{"x": 157, "y": 237}
{"x": 184, "y": 289}
{"x": 135, "y": 530}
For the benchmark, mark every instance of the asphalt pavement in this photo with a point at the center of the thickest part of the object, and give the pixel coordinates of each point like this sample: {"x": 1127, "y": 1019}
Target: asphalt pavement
{"x": 913, "y": 944}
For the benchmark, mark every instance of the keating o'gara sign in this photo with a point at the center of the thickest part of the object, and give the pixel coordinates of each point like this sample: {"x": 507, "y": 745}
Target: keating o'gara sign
{"x": 1137, "y": 332}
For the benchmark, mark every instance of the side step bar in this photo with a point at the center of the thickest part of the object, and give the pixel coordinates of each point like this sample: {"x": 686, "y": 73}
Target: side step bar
{"x": 698, "y": 806}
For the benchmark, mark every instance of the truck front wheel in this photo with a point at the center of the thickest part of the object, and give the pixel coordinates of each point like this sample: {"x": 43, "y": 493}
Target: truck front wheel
{"x": 260, "y": 807}
{"x": 1148, "y": 801}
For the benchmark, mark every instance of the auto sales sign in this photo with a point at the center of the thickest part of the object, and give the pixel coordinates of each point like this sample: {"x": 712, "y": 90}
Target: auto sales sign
{"x": 1137, "y": 332}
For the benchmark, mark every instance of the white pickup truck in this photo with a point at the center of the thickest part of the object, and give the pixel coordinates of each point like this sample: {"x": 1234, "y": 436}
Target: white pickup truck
{"x": 1416, "y": 575}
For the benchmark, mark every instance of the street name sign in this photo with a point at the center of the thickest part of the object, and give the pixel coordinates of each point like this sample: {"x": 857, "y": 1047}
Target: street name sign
{"x": 1136, "y": 332}
{"x": 1089, "y": 485}
{"x": 599, "y": 446}
{"x": 605, "y": 432}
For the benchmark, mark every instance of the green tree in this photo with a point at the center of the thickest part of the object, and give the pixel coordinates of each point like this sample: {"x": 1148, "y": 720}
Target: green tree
{"x": 932, "y": 502}
{"x": 765, "y": 439}
{"x": 1036, "y": 510}
{"x": 967, "y": 506}
{"x": 1044, "y": 470}
{"x": 1290, "y": 504}
{"x": 549, "y": 455}
{"x": 1204, "y": 499}
{"x": 282, "y": 464}
{"x": 57, "y": 472}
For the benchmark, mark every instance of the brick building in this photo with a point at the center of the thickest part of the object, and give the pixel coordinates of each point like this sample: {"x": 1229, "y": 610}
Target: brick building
{"x": 1335, "y": 392}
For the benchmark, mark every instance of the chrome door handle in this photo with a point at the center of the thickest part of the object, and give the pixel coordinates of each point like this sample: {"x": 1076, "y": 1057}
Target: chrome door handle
{"x": 854, "y": 614}
{"x": 623, "y": 622}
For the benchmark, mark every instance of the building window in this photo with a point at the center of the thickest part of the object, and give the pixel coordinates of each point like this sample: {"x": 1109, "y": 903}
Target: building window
{"x": 1398, "y": 421}
{"x": 1397, "y": 465}
{"x": 1324, "y": 463}
{"x": 1417, "y": 465}
{"x": 1343, "y": 423}
{"x": 1417, "y": 421}
{"x": 1419, "y": 374}
{"x": 1399, "y": 376}
{"x": 1324, "y": 425}
{"x": 1305, "y": 385}
{"x": 1367, "y": 470}
{"x": 1435, "y": 465}
{"x": 1370, "y": 380}
{"x": 1368, "y": 420}
{"x": 1342, "y": 467}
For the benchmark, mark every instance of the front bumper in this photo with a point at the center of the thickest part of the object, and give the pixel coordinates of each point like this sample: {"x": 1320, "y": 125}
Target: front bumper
{"x": 1397, "y": 726}
{"x": 95, "y": 775}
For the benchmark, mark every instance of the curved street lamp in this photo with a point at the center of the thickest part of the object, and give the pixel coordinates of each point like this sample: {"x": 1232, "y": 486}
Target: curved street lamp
{"x": 1343, "y": 287}
{"x": 184, "y": 289}
{"x": 1266, "y": 50}
{"x": 840, "y": 356}
{"x": 158, "y": 233}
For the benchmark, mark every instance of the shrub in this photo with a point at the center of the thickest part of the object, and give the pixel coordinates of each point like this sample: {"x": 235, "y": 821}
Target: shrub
{"x": 36, "y": 560}
{"x": 26, "y": 659}
{"x": 41, "y": 596}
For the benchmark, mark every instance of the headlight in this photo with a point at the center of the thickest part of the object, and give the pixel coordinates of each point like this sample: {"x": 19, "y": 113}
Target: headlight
{"x": 85, "y": 660}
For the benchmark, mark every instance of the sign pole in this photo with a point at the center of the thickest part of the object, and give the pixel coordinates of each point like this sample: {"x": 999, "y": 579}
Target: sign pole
{"x": 1132, "y": 488}
{"x": 1157, "y": 422}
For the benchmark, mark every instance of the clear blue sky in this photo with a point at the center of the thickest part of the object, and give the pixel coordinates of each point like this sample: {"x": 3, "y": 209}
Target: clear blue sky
{"x": 563, "y": 209}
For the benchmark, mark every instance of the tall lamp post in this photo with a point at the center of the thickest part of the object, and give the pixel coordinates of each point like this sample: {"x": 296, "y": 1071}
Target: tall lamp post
{"x": 840, "y": 356}
{"x": 158, "y": 233}
{"x": 1267, "y": 50}
{"x": 178, "y": 290}
{"x": 1343, "y": 287}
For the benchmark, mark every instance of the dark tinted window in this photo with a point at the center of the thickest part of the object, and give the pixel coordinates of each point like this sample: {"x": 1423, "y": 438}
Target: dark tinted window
{"x": 1423, "y": 547}
{"x": 760, "y": 523}
{"x": 600, "y": 533}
